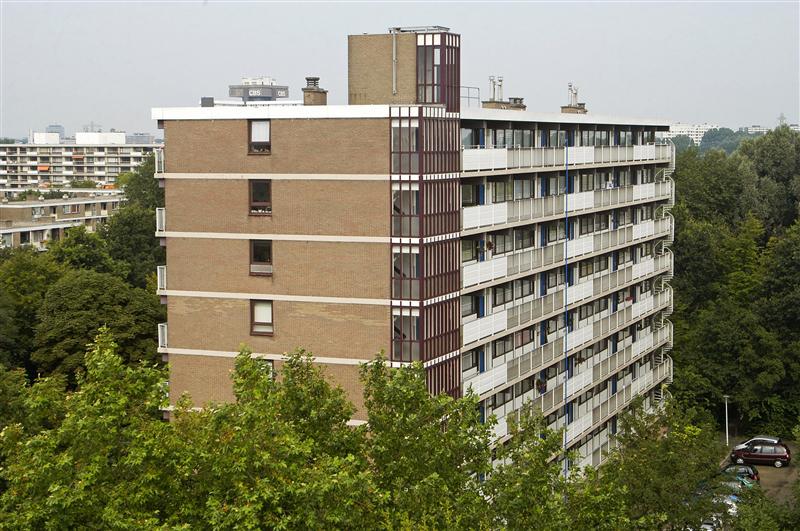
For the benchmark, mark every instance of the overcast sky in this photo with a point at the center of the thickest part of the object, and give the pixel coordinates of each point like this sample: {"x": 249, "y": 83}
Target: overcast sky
{"x": 74, "y": 62}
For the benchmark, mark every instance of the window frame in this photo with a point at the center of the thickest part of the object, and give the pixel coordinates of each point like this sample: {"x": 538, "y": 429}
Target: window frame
{"x": 259, "y": 148}
{"x": 254, "y": 207}
{"x": 253, "y": 322}
{"x": 269, "y": 268}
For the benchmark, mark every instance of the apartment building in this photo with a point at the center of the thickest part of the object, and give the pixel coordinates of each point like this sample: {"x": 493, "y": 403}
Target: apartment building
{"x": 694, "y": 131}
{"x": 37, "y": 222}
{"x": 519, "y": 254}
{"x": 47, "y": 161}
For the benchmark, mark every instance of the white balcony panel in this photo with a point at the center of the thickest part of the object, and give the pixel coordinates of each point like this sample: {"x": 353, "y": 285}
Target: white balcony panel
{"x": 501, "y": 428}
{"x": 485, "y": 271}
{"x": 485, "y": 326}
{"x": 485, "y": 215}
{"x": 578, "y": 337}
{"x": 486, "y": 381}
{"x": 484, "y": 159}
{"x": 581, "y": 291}
{"x": 580, "y": 246}
{"x": 580, "y": 201}
{"x": 646, "y": 152}
{"x": 162, "y": 277}
{"x": 644, "y": 342}
{"x": 644, "y": 191}
{"x": 644, "y": 229}
{"x": 162, "y": 335}
{"x": 578, "y": 383}
{"x": 579, "y": 426}
{"x": 161, "y": 219}
{"x": 580, "y": 155}
{"x": 642, "y": 307}
{"x": 643, "y": 268}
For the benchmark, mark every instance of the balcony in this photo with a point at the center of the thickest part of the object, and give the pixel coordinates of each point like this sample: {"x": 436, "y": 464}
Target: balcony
{"x": 162, "y": 335}
{"x": 161, "y": 274}
{"x": 536, "y": 208}
{"x": 476, "y": 158}
{"x": 161, "y": 221}
{"x": 160, "y": 167}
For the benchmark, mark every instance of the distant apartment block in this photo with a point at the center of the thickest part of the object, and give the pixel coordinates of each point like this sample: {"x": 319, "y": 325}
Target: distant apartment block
{"x": 693, "y": 131}
{"x": 37, "y": 222}
{"x": 46, "y": 161}
{"x": 522, "y": 255}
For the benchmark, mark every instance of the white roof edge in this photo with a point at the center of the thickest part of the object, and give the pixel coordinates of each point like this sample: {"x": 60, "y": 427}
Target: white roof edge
{"x": 556, "y": 117}
{"x": 225, "y": 112}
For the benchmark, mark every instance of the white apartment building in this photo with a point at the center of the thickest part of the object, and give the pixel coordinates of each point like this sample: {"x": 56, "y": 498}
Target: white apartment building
{"x": 46, "y": 162}
{"x": 693, "y": 131}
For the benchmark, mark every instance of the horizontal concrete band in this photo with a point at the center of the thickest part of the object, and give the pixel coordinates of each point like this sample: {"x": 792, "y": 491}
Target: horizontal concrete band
{"x": 273, "y": 297}
{"x": 272, "y": 357}
{"x": 274, "y": 237}
{"x": 278, "y": 176}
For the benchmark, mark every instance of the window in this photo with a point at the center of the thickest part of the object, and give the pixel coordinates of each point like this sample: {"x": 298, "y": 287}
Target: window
{"x": 502, "y": 191}
{"x": 586, "y": 268}
{"x": 587, "y": 225}
{"x": 502, "y": 243}
{"x": 503, "y": 294}
{"x": 261, "y": 197}
{"x": 503, "y": 346}
{"x": 469, "y": 305}
{"x": 261, "y": 318}
{"x": 523, "y": 187}
{"x": 523, "y": 238}
{"x": 469, "y": 360}
{"x": 469, "y": 250}
{"x": 258, "y": 141}
{"x": 260, "y": 257}
{"x": 523, "y": 287}
{"x": 469, "y": 195}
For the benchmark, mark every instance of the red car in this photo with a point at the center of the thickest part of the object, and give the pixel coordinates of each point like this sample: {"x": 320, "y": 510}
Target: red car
{"x": 772, "y": 454}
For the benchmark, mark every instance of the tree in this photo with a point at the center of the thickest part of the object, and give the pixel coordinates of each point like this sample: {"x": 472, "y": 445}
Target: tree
{"x": 682, "y": 143}
{"x": 81, "y": 302}
{"x": 723, "y": 139}
{"x": 426, "y": 453}
{"x": 667, "y": 465}
{"x": 81, "y": 249}
{"x": 107, "y": 462}
{"x": 128, "y": 235}
{"x": 142, "y": 188}
{"x": 25, "y": 277}
{"x": 9, "y": 333}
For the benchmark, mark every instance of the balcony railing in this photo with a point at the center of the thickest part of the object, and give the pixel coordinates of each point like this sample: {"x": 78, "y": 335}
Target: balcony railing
{"x": 161, "y": 273}
{"x": 162, "y": 335}
{"x": 532, "y": 259}
{"x": 477, "y": 158}
{"x": 160, "y": 167}
{"x": 534, "y": 208}
{"x": 161, "y": 219}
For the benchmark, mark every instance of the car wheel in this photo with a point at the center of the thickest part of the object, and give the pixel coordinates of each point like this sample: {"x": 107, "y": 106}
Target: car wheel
{"x": 778, "y": 463}
{"x": 739, "y": 461}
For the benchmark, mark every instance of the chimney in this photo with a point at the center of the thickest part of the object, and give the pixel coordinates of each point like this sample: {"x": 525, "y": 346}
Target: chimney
{"x": 207, "y": 101}
{"x": 312, "y": 94}
{"x": 574, "y": 107}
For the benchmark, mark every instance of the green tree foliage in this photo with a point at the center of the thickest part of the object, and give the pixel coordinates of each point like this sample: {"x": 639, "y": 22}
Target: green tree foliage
{"x": 25, "y": 277}
{"x": 129, "y": 238}
{"x": 682, "y": 143}
{"x": 430, "y": 477}
{"x": 9, "y": 333}
{"x": 81, "y": 249}
{"x": 81, "y": 302}
{"x": 142, "y": 188}
{"x": 83, "y": 184}
{"x": 529, "y": 490}
{"x": 723, "y": 139}
{"x": 736, "y": 275}
{"x": 668, "y": 467}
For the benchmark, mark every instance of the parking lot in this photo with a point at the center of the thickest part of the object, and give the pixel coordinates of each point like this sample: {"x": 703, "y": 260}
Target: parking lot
{"x": 777, "y": 482}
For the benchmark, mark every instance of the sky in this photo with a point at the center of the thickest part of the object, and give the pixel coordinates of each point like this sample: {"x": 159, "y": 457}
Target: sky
{"x": 73, "y": 63}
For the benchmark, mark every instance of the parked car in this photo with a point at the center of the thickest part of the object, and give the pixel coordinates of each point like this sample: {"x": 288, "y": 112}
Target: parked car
{"x": 775, "y": 454}
{"x": 742, "y": 471}
{"x": 758, "y": 439}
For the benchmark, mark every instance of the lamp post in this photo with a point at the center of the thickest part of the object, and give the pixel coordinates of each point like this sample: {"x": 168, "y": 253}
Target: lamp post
{"x": 726, "y": 419}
